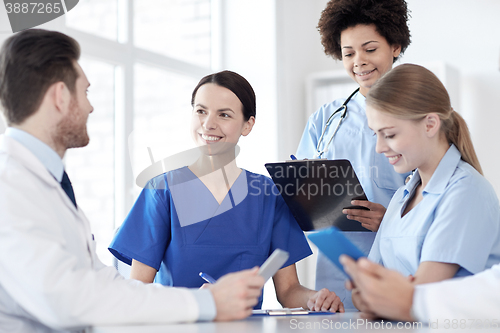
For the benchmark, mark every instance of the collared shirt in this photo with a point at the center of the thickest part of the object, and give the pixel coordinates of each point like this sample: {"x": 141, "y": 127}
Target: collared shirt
{"x": 457, "y": 222}
{"x": 51, "y": 160}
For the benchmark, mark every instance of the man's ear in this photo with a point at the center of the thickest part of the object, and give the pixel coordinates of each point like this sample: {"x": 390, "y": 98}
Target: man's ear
{"x": 432, "y": 124}
{"x": 61, "y": 96}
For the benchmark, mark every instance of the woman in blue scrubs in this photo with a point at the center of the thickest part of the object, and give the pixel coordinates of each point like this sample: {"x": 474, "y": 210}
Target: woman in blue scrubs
{"x": 368, "y": 36}
{"x": 445, "y": 222}
{"x": 212, "y": 216}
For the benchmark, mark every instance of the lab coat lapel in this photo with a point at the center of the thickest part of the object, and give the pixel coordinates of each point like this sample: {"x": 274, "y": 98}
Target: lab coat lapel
{"x": 15, "y": 149}
{"x": 33, "y": 164}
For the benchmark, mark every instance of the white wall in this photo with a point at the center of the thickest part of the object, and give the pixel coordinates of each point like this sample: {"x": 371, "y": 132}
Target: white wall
{"x": 466, "y": 35}
{"x": 299, "y": 53}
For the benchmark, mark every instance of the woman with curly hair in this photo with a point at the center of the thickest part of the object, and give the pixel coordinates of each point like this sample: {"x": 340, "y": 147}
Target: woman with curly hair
{"x": 368, "y": 36}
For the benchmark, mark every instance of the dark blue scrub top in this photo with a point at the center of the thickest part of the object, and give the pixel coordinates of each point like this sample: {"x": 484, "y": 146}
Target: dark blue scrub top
{"x": 177, "y": 227}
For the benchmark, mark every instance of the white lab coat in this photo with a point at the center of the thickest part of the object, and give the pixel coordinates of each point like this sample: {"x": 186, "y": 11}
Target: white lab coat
{"x": 475, "y": 299}
{"x": 50, "y": 276}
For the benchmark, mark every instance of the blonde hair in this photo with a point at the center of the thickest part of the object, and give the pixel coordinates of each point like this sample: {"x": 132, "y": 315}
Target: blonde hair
{"x": 412, "y": 92}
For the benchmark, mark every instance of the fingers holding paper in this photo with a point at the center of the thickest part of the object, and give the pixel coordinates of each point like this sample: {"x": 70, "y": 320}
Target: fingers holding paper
{"x": 235, "y": 294}
{"x": 370, "y": 219}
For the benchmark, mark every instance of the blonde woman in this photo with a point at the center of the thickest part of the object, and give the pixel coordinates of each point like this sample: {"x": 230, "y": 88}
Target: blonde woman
{"x": 444, "y": 222}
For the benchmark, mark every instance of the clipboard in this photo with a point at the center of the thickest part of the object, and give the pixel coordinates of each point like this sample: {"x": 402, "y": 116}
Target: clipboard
{"x": 289, "y": 312}
{"x": 316, "y": 191}
{"x": 333, "y": 244}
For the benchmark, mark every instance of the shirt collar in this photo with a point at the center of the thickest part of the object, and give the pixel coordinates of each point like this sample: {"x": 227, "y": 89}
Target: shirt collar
{"x": 410, "y": 186}
{"x": 446, "y": 168}
{"x": 42, "y": 151}
{"x": 441, "y": 176}
{"x": 360, "y": 99}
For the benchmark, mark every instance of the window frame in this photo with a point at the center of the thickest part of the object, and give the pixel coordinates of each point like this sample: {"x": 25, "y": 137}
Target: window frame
{"x": 123, "y": 54}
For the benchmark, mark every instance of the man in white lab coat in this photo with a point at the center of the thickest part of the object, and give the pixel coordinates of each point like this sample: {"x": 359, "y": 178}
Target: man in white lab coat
{"x": 50, "y": 277}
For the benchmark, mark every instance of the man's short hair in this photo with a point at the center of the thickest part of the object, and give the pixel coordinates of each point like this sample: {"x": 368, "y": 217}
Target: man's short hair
{"x": 30, "y": 62}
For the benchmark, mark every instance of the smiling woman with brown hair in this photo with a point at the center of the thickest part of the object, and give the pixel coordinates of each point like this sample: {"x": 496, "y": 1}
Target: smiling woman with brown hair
{"x": 212, "y": 216}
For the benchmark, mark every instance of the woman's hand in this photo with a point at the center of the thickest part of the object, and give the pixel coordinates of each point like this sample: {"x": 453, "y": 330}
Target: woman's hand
{"x": 325, "y": 300}
{"x": 370, "y": 219}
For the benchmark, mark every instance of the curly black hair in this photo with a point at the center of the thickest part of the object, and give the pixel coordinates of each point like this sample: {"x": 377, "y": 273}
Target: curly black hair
{"x": 389, "y": 16}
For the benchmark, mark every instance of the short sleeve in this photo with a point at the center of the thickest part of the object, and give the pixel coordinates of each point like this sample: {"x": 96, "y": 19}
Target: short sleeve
{"x": 287, "y": 235}
{"x": 145, "y": 233}
{"x": 465, "y": 225}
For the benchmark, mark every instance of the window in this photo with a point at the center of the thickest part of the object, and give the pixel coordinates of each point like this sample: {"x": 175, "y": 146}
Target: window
{"x": 92, "y": 169}
{"x": 97, "y": 17}
{"x": 162, "y": 113}
{"x": 142, "y": 58}
{"x": 176, "y": 28}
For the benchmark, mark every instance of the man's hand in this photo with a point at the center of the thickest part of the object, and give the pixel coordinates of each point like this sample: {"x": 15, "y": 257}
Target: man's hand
{"x": 370, "y": 219}
{"x": 384, "y": 292}
{"x": 358, "y": 301}
{"x": 325, "y": 300}
{"x": 236, "y": 294}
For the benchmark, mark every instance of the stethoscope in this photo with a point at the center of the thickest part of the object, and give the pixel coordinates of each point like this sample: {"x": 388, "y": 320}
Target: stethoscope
{"x": 343, "y": 110}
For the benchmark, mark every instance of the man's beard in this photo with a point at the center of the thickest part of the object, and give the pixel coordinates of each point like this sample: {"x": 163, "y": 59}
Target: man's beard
{"x": 71, "y": 132}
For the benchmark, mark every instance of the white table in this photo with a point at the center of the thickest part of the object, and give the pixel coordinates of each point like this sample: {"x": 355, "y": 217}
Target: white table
{"x": 350, "y": 321}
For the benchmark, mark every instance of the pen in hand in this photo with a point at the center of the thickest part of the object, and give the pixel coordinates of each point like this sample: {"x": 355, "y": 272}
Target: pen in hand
{"x": 207, "y": 277}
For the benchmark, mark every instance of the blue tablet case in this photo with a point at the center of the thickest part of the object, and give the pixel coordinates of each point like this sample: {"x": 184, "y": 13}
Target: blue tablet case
{"x": 333, "y": 243}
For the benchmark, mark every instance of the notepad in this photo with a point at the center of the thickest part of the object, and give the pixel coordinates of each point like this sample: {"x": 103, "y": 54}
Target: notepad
{"x": 316, "y": 191}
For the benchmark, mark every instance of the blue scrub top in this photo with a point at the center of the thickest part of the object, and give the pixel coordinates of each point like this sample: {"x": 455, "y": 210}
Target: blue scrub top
{"x": 177, "y": 227}
{"x": 354, "y": 141}
{"x": 457, "y": 221}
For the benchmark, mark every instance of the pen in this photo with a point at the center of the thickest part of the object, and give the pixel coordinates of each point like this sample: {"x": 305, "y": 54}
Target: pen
{"x": 293, "y": 157}
{"x": 207, "y": 277}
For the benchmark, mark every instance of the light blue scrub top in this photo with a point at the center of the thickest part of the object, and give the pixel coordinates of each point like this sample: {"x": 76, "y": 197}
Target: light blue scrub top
{"x": 457, "y": 221}
{"x": 177, "y": 227}
{"x": 354, "y": 141}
